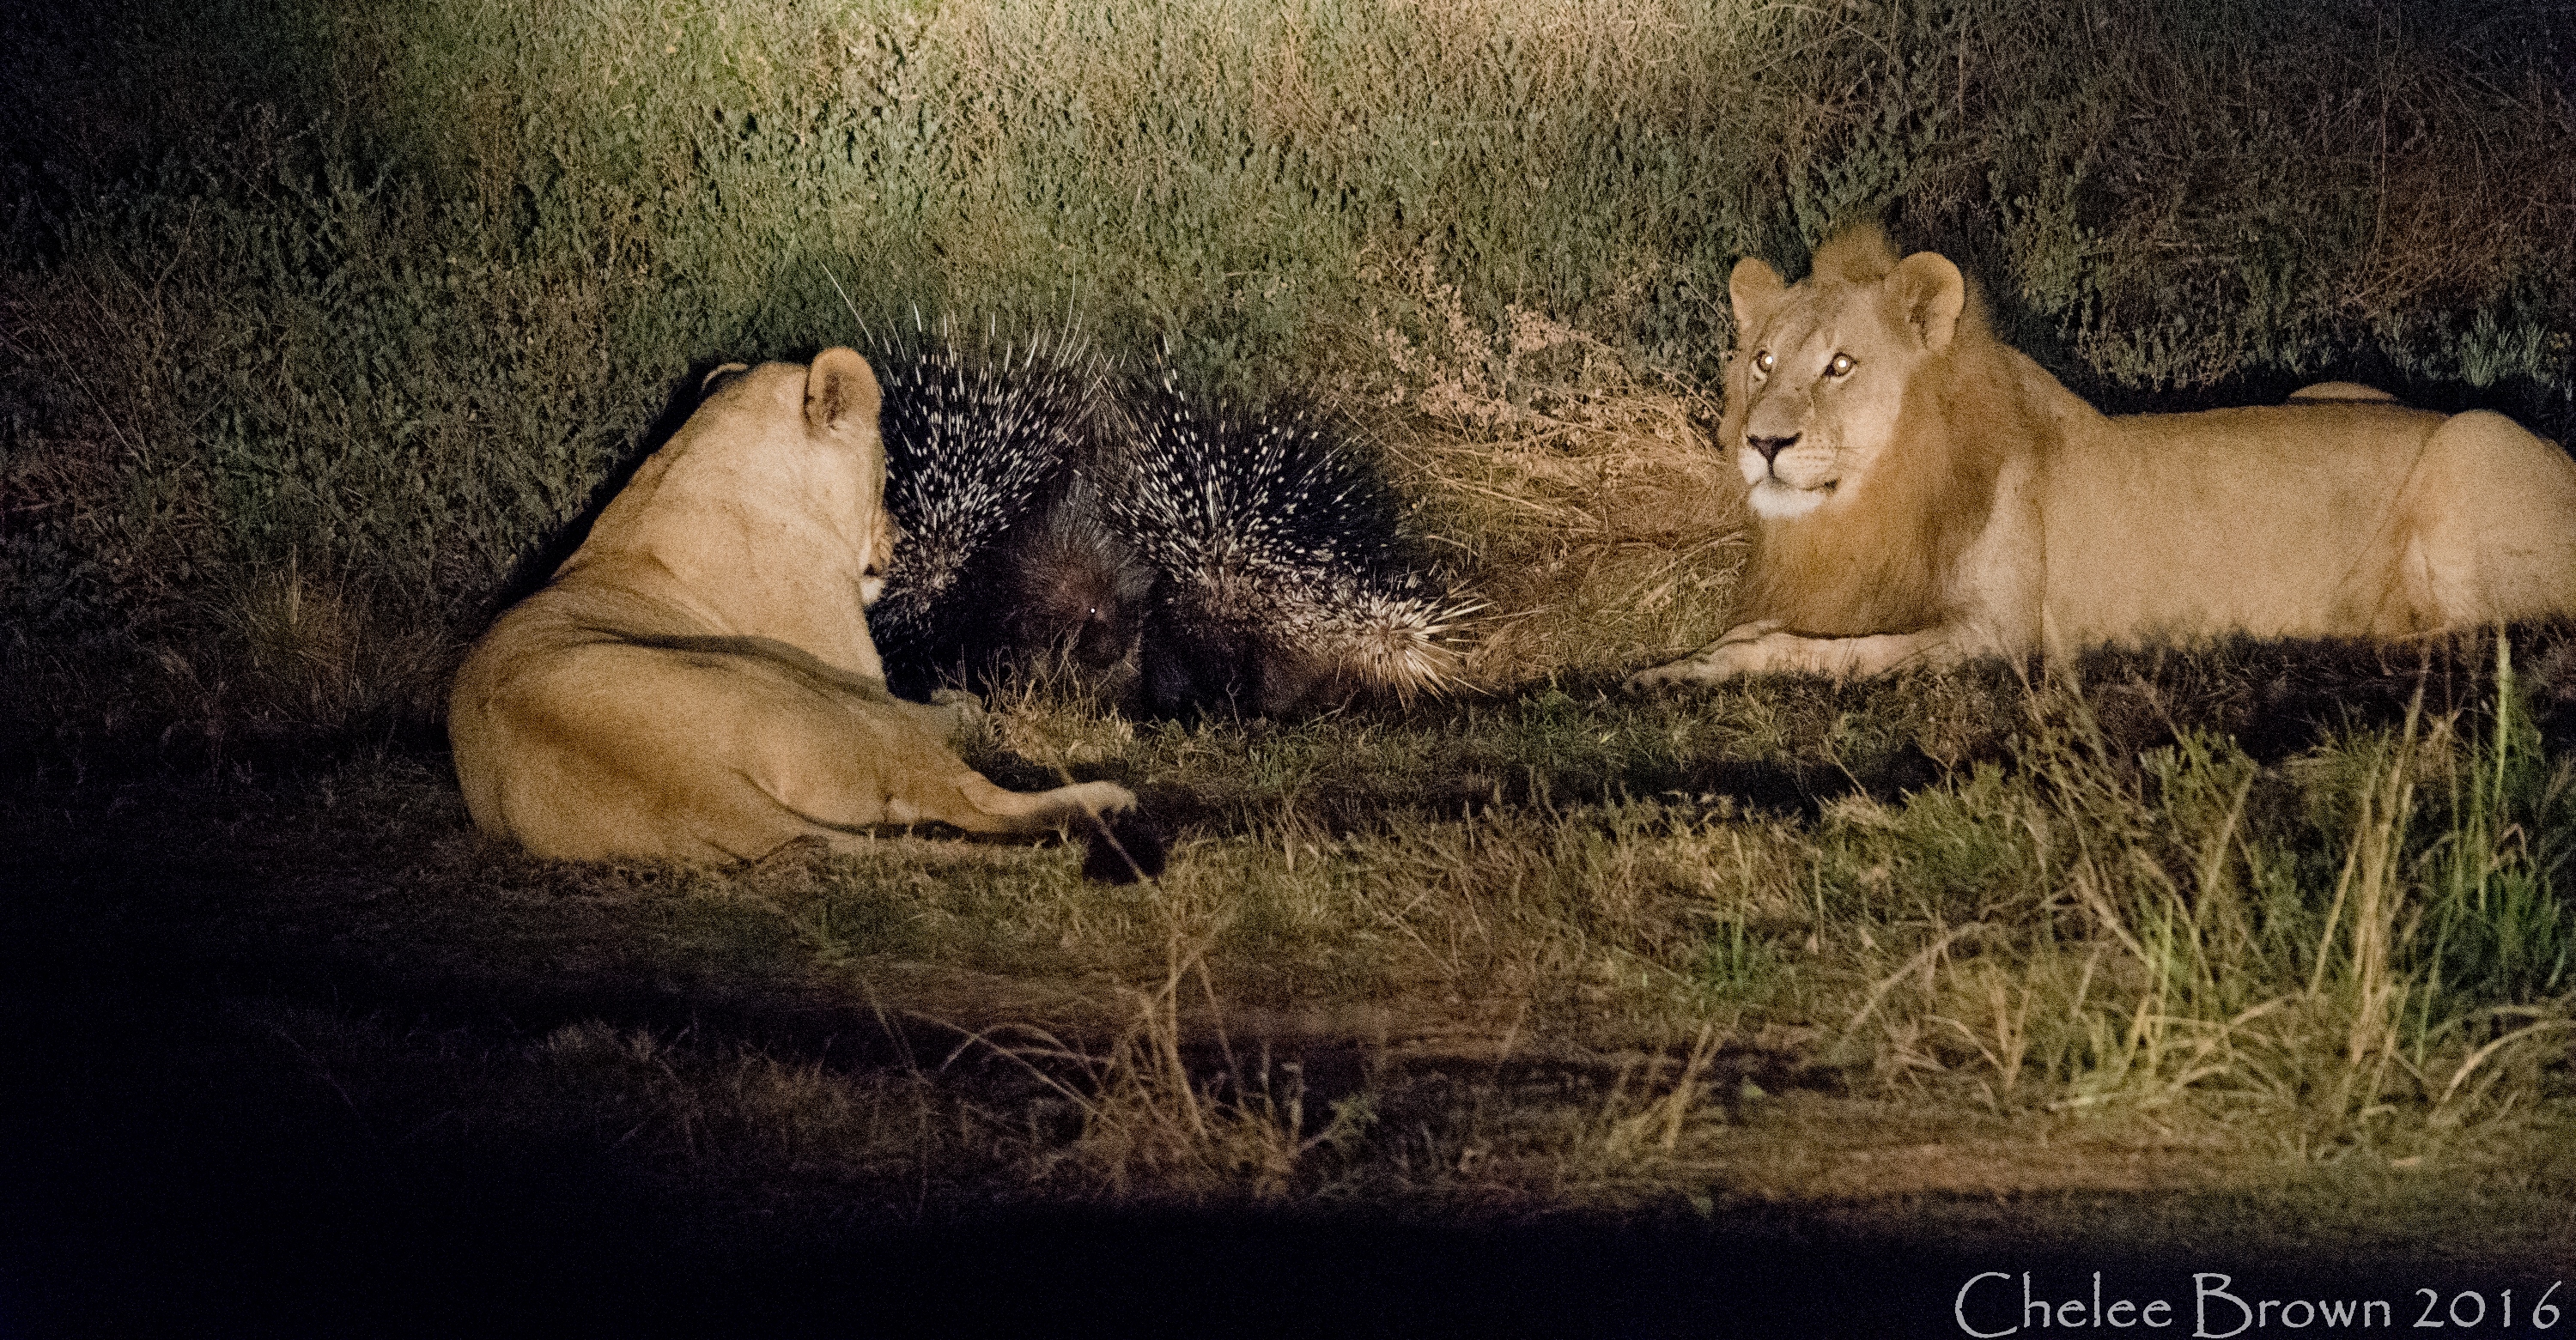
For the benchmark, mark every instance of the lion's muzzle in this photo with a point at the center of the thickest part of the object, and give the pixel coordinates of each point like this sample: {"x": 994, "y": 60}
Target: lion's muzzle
{"x": 1770, "y": 448}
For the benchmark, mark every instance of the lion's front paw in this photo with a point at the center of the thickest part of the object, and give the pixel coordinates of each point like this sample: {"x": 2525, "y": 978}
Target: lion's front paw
{"x": 1688, "y": 670}
{"x": 1746, "y": 649}
{"x": 1755, "y": 656}
{"x": 1099, "y": 797}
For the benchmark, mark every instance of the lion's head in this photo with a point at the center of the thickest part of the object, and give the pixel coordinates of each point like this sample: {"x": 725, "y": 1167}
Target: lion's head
{"x": 842, "y": 382}
{"x": 1821, "y": 369}
{"x": 1841, "y": 416}
{"x": 765, "y": 512}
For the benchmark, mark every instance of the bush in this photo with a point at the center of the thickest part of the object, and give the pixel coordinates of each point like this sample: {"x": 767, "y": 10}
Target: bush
{"x": 387, "y": 291}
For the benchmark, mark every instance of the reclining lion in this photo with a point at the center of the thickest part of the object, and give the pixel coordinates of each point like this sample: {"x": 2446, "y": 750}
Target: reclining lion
{"x": 1923, "y": 493}
{"x": 697, "y": 679}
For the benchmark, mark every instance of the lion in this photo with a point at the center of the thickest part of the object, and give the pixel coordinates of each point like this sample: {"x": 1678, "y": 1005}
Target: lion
{"x": 697, "y": 681}
{"x": 1924, "y": 493}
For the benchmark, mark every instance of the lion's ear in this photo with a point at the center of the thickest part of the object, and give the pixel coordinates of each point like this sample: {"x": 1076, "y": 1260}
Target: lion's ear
{"x": 716, "y": 375}
{"x": 1927, "y": 293}
{"x": 1755, "y": 289}
{"x": 839, "y": 389}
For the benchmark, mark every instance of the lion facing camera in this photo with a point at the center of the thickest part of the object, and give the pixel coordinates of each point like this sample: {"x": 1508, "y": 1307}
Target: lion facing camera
{"x": 1924, "y": 493}
{"x": 697, "y": 681}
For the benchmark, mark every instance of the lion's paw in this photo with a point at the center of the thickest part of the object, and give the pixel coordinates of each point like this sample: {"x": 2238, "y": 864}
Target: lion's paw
{"x": 1746, "y": 649}
{"x": 1689, "y": 670}
{"x": 1099, "y": 798}
{"x": 1754, "y": 656}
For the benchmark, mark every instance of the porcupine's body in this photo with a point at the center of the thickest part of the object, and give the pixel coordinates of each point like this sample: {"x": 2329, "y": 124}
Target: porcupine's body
{"x": 1188, "y": 558}
{"x": 1281, "y": 581}
{"x": 980, "y": 446}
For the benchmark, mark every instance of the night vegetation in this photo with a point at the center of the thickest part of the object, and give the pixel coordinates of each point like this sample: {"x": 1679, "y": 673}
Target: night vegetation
{"x": 320, "y": 324}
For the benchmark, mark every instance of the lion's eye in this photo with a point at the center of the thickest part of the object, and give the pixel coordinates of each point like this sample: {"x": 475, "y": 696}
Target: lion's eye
{"x": 1840, "y": 367}
{"x": 1762, "y": 362}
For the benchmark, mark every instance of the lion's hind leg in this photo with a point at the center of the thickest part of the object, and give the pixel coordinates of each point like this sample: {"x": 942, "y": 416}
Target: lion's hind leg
{"x": 849, "y": 761}
{"x": 1123, "y": 844}
{"x": 2493, "y": 518}
{"x": 967, "y": 801}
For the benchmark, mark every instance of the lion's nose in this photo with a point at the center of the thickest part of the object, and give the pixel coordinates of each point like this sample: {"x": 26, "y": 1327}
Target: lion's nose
{"x": 1771, "y": 447}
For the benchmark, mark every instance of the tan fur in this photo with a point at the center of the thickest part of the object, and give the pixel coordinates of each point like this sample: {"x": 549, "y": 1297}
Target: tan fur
{"x": 1939, "y": 495}
{"x": 697, "y": 680}
{"x": 2341, "y": 391}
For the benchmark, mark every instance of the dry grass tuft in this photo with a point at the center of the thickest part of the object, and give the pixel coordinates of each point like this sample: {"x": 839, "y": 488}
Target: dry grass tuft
{"x": 1581, "y": 499}
{"x": 1157, "y": 1126}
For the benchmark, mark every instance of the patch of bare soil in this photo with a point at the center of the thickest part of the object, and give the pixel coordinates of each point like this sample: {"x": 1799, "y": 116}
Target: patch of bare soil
{"x": 398, "y": 1084}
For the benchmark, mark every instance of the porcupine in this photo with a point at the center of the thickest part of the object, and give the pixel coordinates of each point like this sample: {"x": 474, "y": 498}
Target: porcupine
{"x": 1282, "y": 580}
{"x": 1071, "y": 591}
{"x": 980, "y": 455}
{"x": 980, "y": 446}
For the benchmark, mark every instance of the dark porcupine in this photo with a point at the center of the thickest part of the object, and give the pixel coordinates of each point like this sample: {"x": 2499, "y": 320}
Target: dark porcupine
{"x": 977, "y": 440}
{"x": 1282, "y": 579}
{"x": 1072, "y": 592}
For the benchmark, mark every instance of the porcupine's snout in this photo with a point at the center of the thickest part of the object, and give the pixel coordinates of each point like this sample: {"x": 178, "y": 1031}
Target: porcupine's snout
{"x": 1074, "y": 607}
{"x": 1075, "y": 592}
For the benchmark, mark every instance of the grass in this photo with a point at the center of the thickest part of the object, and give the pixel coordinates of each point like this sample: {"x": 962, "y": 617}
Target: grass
{"x": 322, "y": 323}
{"x": 382, "y": 293}
{"x": 1465, "y": 965}
{"x": 2138, "y": 999}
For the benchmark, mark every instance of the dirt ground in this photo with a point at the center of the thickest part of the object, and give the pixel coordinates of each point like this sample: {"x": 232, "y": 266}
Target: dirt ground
{"x": 254, "y": 1100}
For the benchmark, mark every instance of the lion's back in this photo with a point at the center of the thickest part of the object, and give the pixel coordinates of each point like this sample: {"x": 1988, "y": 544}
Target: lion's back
{"x": 587, "y": 740}
{"x": 2318, "y": 519}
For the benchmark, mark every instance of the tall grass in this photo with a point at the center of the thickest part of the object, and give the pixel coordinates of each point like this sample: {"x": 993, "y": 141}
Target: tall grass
{"x": 2345, "y": 950}
{"x": 384, "y": 293}
{"x": 2361, "y": 946}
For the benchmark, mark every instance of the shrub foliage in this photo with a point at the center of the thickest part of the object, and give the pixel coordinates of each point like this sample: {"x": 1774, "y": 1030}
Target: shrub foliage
{"x": 386, "y": 291}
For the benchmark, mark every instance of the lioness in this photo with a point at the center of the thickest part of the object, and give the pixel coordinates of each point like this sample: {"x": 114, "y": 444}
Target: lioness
{"x": 697, "y": 679}
{"x": 1925, "y": 493}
